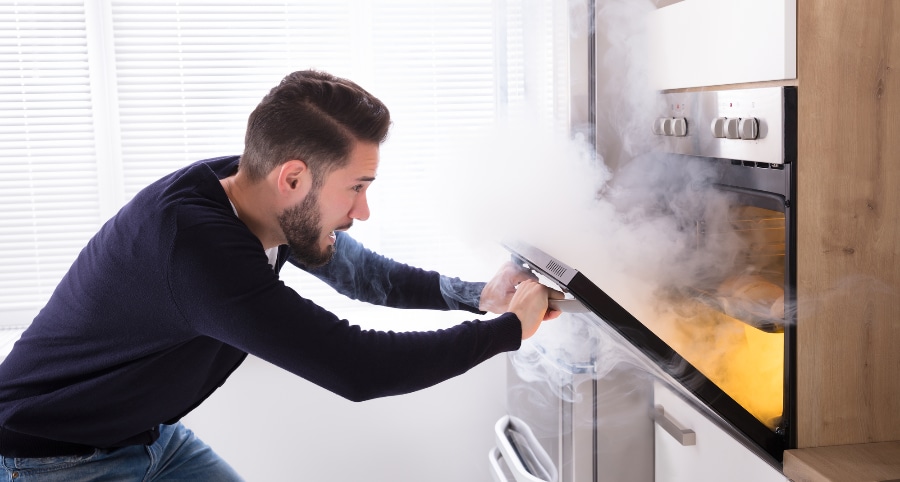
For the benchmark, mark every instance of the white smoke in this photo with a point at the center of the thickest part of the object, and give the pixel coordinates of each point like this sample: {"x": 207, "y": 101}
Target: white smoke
{"x": 625, "y": 215}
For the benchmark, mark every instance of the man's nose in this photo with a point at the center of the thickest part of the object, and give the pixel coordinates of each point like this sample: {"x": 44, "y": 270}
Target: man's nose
{"x": 360, "y": 208}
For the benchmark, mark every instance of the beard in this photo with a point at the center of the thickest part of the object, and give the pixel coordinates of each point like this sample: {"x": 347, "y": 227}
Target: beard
{"x": 301, "y": 227}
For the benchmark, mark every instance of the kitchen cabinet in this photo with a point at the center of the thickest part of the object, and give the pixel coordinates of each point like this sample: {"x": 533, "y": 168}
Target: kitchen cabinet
{"x": 848, "y": 222}
{"x": 772, "y": 56}
{"x": 848, "y": 276}
{"x": 691, "y": 448}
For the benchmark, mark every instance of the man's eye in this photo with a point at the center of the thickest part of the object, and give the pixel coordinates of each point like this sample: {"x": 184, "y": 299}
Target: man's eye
{"x": 358, "y": 187}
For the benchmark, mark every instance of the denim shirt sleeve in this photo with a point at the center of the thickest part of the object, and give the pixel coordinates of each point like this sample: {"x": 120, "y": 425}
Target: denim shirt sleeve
{"x": 364, "y": 275}
{"x": 461, "y": 295}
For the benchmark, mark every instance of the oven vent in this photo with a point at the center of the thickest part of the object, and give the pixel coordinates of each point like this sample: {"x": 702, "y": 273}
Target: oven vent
{"x": 555, "y": 268}
{"x": 534, "y": 259}
{"x": 761, "y": 165}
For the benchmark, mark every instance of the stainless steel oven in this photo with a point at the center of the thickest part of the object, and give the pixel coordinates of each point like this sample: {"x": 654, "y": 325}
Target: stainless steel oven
{"x": 749, "y": 138}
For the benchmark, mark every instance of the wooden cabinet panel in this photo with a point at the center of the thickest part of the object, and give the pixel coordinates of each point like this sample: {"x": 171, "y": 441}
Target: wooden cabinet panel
{"x": 848, "y": 212}
{"x": 871, "y": 462}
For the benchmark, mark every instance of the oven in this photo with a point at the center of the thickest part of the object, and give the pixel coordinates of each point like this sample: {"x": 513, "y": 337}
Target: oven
{"x": 748, "y": 138}
{"x": 590, "y": 396}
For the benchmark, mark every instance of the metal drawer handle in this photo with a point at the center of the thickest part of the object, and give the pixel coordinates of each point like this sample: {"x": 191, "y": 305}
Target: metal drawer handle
{"x": 684, "y": 436}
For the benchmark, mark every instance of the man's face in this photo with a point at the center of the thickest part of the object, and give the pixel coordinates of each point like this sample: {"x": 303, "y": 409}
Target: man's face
{"x": 310, "y": 225}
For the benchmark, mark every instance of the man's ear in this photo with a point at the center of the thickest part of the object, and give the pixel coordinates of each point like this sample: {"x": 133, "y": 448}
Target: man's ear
{"x": 294, "y": 178}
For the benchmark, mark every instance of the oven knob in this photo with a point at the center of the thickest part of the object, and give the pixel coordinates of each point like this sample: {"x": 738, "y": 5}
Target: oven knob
{"x": 749, "y": 128}
{"x": 659, "y": 126}
{"x": 731, "y": 129}
{"x": 669, "y": 126}
{"x": 718, "y": 127}
{"x": 679, "y": 127}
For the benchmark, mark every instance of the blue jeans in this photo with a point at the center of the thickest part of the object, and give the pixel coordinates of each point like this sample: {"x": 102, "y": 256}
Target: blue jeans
{"x": 177, "y": 455}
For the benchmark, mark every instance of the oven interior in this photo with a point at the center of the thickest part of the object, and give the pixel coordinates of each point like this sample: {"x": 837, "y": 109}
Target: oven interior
{"x": 731, "y": 327}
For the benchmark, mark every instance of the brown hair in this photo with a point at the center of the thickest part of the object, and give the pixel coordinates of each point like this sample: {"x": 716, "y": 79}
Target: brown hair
{"x": 314, "y": 117}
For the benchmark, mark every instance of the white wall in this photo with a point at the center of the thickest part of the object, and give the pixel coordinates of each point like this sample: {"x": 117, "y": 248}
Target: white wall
{"x": 272, "y": 425}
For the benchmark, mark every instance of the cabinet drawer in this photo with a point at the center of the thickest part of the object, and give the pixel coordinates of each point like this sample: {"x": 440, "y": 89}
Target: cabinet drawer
{"x": 701, "y": 43}
{"x": 690, "y": 448}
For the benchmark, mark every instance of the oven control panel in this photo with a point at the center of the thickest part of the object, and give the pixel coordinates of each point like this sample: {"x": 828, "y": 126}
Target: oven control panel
{"x": 747, "y": 125}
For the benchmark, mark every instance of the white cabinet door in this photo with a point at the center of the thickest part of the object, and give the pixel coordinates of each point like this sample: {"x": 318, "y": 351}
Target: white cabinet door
{"x": 700, "y": 43}
{"x": 708, "y": 453}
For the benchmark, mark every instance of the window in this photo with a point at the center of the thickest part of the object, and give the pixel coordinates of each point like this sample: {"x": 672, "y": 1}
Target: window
{"x": 49, "y": 172}
{"x": 98, "y": 98}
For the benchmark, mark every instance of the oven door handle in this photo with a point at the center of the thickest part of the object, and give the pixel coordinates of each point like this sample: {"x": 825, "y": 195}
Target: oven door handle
{"x": 519, "y": 447}
{"x": 684, "y": 436}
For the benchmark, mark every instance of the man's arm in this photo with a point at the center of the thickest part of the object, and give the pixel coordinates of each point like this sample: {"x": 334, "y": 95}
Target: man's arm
{"x": 223, "y": 288}
{"x": 364, "y": 275}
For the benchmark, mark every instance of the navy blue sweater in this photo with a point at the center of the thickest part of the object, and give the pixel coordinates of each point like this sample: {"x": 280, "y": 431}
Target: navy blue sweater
{"x": 173, "y": 292}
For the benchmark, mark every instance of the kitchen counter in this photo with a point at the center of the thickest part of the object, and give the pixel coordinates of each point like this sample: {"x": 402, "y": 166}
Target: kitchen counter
{"x": 879, "y": 462}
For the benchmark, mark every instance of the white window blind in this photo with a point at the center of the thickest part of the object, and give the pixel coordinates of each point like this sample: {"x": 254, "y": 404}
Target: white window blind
{"x": 188, "y": 73}
{"x": 49, "y": 204}
{"x": 178, "y": 80}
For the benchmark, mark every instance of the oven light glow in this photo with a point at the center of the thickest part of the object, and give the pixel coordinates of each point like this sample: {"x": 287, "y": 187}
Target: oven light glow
{"x": 745, "y": 362}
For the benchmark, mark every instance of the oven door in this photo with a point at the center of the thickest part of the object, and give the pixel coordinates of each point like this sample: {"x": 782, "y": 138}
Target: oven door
{"x": 659, "y": 358}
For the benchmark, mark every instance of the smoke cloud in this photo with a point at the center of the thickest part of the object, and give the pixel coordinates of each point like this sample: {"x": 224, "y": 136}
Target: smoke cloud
{"x": 627, "y": 216}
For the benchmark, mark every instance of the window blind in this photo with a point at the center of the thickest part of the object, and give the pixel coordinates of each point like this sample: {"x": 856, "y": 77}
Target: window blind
{"x": 179, "y": 79}
{"x": 49, "y": 204}
{"x": 188, "y": 73}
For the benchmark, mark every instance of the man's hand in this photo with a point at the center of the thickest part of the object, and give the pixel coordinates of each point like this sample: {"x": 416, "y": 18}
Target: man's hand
{"x": 496, "y": 295}
{"x": 529, "y": 303}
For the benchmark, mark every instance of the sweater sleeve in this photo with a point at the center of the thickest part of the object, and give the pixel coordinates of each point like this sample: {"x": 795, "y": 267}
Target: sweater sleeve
{"x": 223, "y": 288}
{"x": 364, "y": 275}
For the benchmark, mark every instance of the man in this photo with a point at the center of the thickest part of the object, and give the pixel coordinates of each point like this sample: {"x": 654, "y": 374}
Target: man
{"x": 174, "y": 291}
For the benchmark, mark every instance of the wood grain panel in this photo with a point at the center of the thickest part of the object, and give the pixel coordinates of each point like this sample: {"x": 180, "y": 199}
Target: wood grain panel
{"x": 865, "y": 463}
{"x": 848, "y": 212}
